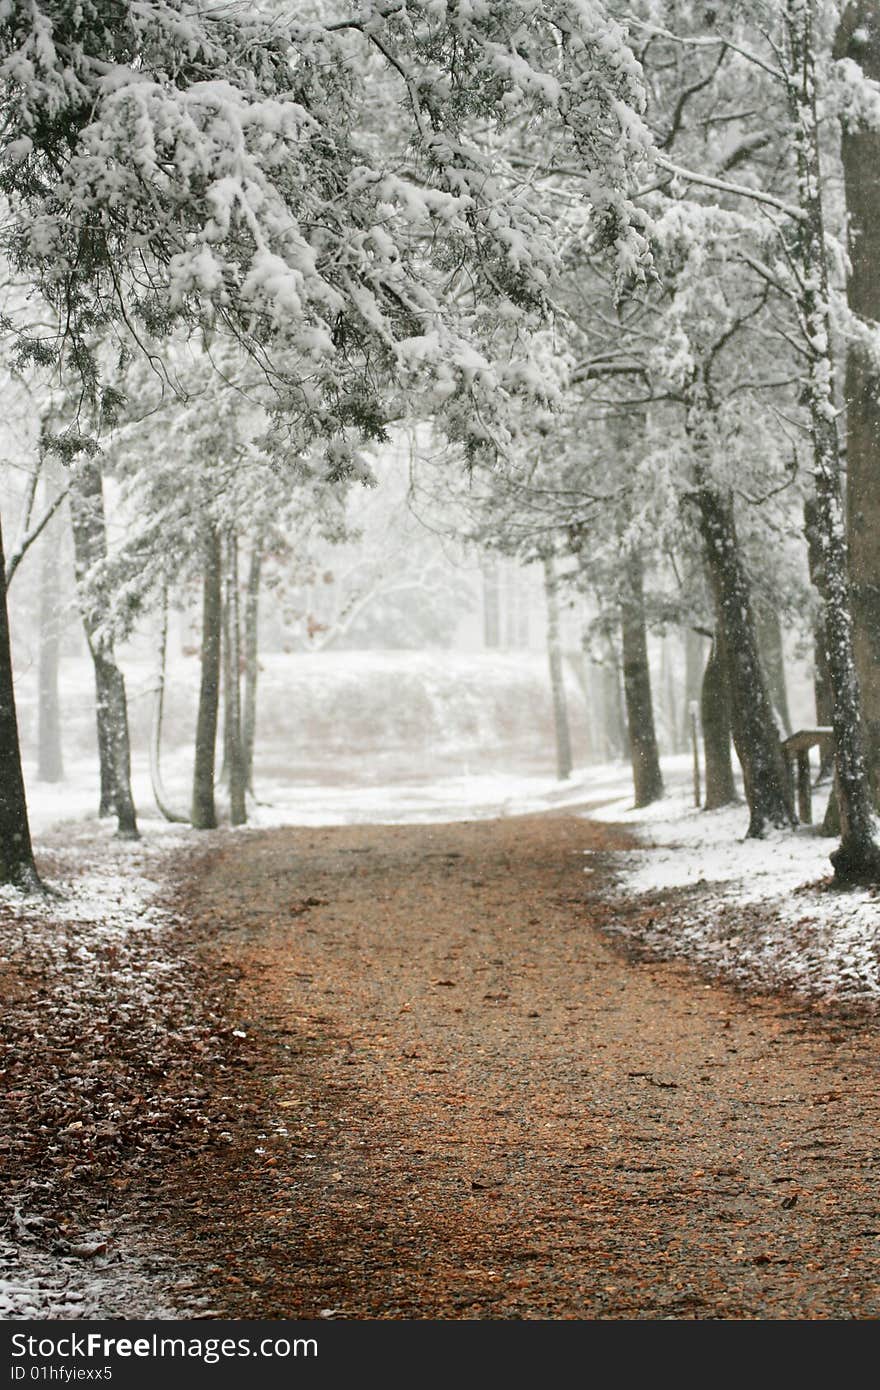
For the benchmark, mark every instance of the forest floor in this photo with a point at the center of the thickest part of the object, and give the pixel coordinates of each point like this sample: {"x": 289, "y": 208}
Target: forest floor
{"x": 417, "y": 1071}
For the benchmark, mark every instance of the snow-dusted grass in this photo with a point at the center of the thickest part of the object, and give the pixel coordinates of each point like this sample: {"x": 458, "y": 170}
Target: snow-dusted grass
{"x": 760, "y": 912}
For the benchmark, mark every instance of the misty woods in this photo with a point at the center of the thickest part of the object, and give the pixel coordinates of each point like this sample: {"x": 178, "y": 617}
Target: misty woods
{"x": 549, "y": 324}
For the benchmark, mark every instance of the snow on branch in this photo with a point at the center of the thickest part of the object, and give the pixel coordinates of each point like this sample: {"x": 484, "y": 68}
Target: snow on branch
{"x": 737, "y": 190}
{"x": 341, "y": 195}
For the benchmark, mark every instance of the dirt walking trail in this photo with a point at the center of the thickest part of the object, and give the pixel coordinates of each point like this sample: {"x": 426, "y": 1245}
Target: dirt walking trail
{"x": 457, "y": 1099}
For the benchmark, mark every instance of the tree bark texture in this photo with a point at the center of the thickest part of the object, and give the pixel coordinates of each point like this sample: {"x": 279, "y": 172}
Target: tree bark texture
{"x": 235, "y": 748}
{"x": 859, "y": 39}
{"x": 107, "y": 775}
{"x": 111, "y": 708}
{"x": 857, "y": 859}
{"x": 754, "y": 727}
{"x": 821, "y": 680}
{"x": 204, "y": 811}
{"x": 647, "y": 778}
{"x": 16, "y": 853}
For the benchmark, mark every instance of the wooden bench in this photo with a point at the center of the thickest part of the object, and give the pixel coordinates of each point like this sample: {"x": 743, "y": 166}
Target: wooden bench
{"x": 797, "y": 756}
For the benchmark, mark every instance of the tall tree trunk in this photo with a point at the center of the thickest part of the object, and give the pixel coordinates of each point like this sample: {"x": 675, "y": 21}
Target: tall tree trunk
{"x": 204, "y": 811}
{"x": 857, "y": 860}
{"x": 251, "y": 660}
{"x": 859, "y": 40}
{"x": 770, "y": 645}
{"x": 754, "y": 728}
{"x": 821, "y": 680}
{"x": 225, "y": 687}
{"x": 647, "y": 778}
{"x": 557, "y": 679}
{"x": 159, "y": 796}
{"x": 50, "y": 763}
{"x": 106, "y": 771}
{"x": 16, "y": 853}
{"x": 237, "y": 779}
{"x": 715, "y": 717}
{"x": 111, "y": 708}
{"x": 113, "y": 682}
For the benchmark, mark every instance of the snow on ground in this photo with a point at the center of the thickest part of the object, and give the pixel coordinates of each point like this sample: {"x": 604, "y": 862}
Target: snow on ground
{"x": 44, "y": 1285}
{"x": 333, "y": 800}
{"x": 759, "y": 912}
{"x": 475, "y": 797}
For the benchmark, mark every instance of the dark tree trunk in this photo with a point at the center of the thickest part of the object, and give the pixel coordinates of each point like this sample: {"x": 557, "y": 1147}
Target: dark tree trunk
{"x": 204, "y": 811}
{"x": 16, "y": 854}
{"x": 235, "y": 749}
{"x": 251, "y": 660}
{"x": 114, "y": 752}
{"x": 857, "y": 860}
{"x": 50, "y": 763}
{"x": 225, "y": 690}
{"x": 107, "y": 788}
{"x": 112, "y": 682}
{"x": 557, "y": 678}
{"x": 647, "y": 778}
{"x": 770, "y": 645}
{"x": 821, "y": 679}
{"x": 715, "y": 717}
{"x": 859, "y": 40}
{"x": 754, "y": 728}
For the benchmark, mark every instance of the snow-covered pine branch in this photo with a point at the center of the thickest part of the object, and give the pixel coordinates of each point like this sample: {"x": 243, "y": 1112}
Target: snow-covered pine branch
{"x": 320, "y": 187}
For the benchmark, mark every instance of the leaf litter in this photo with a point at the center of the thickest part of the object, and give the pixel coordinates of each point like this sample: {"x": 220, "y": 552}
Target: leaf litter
{"x": 238, "y": 1083}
